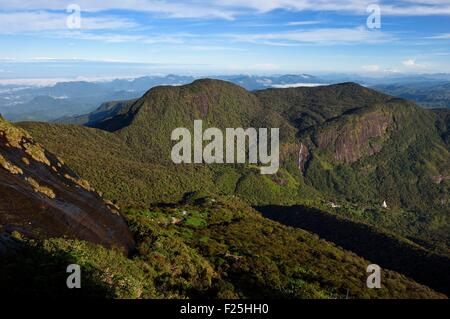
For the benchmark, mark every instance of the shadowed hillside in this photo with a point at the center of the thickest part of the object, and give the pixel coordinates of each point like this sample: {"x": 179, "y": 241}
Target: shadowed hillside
{"x": 205, "y": 248}
{"x": 386, "y": 250}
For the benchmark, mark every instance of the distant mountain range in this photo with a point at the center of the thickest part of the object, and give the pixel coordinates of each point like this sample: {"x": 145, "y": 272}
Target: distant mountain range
{"x": 426, "y": 94}
{"x": 67, "y": 99}
{"x": 63, "y": 99}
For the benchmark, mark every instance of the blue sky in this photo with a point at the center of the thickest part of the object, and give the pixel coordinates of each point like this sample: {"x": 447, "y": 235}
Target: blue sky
{"x": 137, "y": 37}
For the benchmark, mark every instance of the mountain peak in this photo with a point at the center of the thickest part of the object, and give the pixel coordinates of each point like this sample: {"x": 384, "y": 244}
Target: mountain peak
{"x": 209, "y": 82}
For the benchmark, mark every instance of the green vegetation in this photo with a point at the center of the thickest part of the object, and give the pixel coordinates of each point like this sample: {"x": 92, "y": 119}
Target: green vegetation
{"x": 403, "y": 173}
{"x": 217, "y": 248}
{"x": 384, "y": 248}
{"x": 308, "y": 107}
{"x": 363, "y": 149}
{"x": 432, "y": 95}
{"x": 346, "y": 150}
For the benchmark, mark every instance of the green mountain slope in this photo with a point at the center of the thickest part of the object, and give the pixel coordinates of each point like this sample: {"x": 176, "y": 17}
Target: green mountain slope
{"x": 432, "y": 95}
{"x": 213, "y": 248}
{"x": 343, "y": 143}
{"x": 385, "y": 248}
{"x": 390, "y": 153}
{"x": 104, "y": 112}
{"x": 443, "y": 124}
{"x": 306, "y": 107}
{"x": 345, "y": 150}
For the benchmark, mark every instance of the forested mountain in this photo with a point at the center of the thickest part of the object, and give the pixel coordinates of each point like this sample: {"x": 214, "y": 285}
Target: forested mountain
{"x": 66, "y": 102}
{"x": 376, "y": 162}
{"x": 432, "y": 94}
{"x": 343, "y": 143}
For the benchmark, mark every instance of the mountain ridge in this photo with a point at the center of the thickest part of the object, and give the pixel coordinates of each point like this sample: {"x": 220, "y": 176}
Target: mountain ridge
{"x": 130, "y": 163}
{"x": 358, "y": 167}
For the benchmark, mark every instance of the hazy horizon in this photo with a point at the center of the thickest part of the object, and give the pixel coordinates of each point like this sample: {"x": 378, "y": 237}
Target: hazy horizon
{"x": 352, "y": 76}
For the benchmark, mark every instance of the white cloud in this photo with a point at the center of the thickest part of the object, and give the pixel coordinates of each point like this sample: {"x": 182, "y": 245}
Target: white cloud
{"x": 123, "y": 38}
{"x": 175, "y": 9}
{"x": 416, "y": 10}
{"x": 411, "y": 63}
{"x": 297, "y": 85}
{"x": 43, "y": 59}
{"x": 428, "y": 2}
{"x": 371, "y": 68}
{"x": 264, "y": 67}
{"x": 318, "y": 36}
{"x": 388, "y": 7}
{"x": 53, "y": 81}
{"x": 444, "y": 36}
{"x": 377, "y": 70}
{"x": 37, "y": 21}
{"x": 257, "y": 67}
{"x": 230, "y": 9}
{"x": 392, "y": 71}
{"x": 213, "y": 48}
{"x": 306, "y": 22}
{"x": 300, "y": 5}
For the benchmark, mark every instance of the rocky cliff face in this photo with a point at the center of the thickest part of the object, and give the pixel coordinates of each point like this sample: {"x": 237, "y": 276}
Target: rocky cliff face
{"x": 41, "y": 197}
{"x": 356, "y": 137}
{"x": 298, "y": 152}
